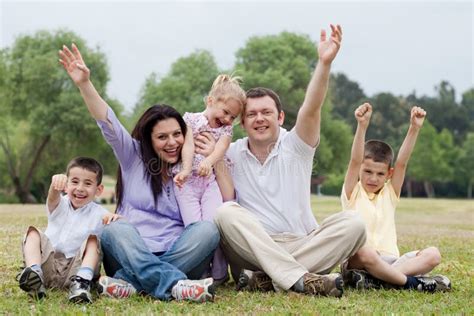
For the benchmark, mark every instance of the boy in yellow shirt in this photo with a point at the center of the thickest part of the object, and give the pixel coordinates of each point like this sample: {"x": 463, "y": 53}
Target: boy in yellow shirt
{"x": 372, "y": 188}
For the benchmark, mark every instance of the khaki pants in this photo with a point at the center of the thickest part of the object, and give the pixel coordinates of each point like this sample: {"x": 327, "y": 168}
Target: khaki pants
{"x": 287, "y": 257}
{"x": 57, "y": 269}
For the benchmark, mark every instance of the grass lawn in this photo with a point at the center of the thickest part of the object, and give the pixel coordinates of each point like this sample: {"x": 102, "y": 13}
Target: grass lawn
{"x": 447, "y": 224}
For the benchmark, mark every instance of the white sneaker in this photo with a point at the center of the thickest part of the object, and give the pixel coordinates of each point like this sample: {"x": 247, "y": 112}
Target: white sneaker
{"x": 194, "y": 290}
{"x": 115, "y": 288}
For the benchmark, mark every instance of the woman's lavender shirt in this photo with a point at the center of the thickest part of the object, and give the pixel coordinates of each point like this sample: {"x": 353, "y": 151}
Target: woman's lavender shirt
{"x": 159, "y": 225}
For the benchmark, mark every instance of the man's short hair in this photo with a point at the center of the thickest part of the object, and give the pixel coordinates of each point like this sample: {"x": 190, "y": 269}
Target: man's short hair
{"x": 378, "y": 151}
{"x": 260, "y": 92}
{"x": 89, "y": 164}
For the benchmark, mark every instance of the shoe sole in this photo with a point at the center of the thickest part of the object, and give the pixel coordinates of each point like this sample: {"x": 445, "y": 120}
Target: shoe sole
{"x": 261, "y": 282}
{"x": 336, "y": 287}
{"x": 31, "y": 283}
{"x": 207, "y": 296}
{"x": 211, "y": 289}
{"x": 339, "y": 290}
{"x": 442, "y": 283}
{"x": 81, "y": 298}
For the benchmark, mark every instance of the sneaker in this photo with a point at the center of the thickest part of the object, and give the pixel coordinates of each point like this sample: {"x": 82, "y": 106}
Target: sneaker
{"x": 80, "y": 290}
{"x": 115, "y": 288}
{"x": 326, "y": 285}
{"x": 442, "y": 283}
{"x": 254, "y": 281}
{"x": 194, "y": 290}
{"x": 362, "y": 280}
{"x": 31, "y": 282}
{"x": 433, "y": 283}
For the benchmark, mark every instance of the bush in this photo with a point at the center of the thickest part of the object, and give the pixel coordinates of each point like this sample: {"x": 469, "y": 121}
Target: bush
{"x": 333, "y": 185}
{"x": 8, "y": 199}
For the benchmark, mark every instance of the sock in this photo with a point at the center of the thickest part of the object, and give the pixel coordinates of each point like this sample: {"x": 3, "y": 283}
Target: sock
{"x": 412, "y": 283}
{"x": 299, "y": 285}
{"x": 37, "y": 269}
{"x": 86, "y": 273}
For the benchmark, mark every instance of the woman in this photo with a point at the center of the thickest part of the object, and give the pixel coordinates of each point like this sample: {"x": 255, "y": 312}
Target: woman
{"x": 152, "y": 251}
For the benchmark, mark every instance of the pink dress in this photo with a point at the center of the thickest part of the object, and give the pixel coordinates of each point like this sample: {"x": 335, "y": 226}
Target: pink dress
{"x": 200, "y": 197}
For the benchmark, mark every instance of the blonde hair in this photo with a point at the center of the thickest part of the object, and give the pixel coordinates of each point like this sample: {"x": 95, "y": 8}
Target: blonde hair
{"x": 227, "y": 87}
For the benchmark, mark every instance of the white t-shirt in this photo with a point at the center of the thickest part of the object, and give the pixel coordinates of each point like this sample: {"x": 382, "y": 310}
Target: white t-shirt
{"x": 278, "y": 192}
{"x": 69, "y": 228}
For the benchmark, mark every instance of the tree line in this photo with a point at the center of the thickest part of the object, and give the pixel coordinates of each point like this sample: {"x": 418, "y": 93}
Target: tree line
{"x": 44, "y": 123}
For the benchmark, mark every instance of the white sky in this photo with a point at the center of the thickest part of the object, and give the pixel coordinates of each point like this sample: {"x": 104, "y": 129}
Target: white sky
{"x": 395, "y": 46}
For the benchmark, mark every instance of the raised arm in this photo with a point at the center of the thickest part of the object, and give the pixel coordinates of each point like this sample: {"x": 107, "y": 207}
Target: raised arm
{"x": 417, "y": 117}
{"x": 362, "y": 115}
{"x": 308, "y": 121}
{"x": 58, "y": 185}
{"x": 76, "y": 68}
{"x": 187, "y": 156}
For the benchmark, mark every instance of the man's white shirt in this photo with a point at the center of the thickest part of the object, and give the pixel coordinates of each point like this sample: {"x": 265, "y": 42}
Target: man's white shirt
{"x": 277, "y": 192}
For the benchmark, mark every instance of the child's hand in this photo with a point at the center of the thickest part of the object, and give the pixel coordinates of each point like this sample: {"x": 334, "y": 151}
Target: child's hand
{"x": 181, "y": 178}
{"x": 417, "y": 116}
{"x": 74, "y": 64}
{"x": 205, "y": 168}
{"x": 59, "y": 182}
{"x": 109, "y": 218}
{"x": 363, "y": 114}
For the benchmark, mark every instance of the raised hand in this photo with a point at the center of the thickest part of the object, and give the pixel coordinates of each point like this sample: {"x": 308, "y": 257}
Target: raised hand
{"x": 363, "y": 114}
{"x": 328, "y": 48}
{"x": 74, "y": 64}
{"x": 417, "y": 116}
{"x": 59, "y": 182}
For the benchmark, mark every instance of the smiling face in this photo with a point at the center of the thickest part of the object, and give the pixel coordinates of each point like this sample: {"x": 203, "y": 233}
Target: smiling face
{"x": 82, "y": 186}
{"x": 220, "y": 113}
{"x": 167, "y": 140}
{"x": 262, "y": 121}
{"x": 373, "y": 175}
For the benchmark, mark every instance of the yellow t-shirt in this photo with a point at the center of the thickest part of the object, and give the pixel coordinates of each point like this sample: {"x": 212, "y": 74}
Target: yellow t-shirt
{"x": 378, "y": 213}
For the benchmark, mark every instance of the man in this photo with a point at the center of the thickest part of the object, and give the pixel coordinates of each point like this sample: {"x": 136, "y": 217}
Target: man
{"x": 272, "y": 230}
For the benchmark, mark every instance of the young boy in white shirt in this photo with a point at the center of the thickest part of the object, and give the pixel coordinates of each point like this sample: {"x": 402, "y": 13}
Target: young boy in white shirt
{"x": 67, "y": 254}
{"x": 372, "y": 188}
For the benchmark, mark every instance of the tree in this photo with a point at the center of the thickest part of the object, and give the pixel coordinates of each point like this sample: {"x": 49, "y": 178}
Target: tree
{"x": 43, "y": 114}
{"x": 282, "y": 62}
{"x": 465, "y": 164}
{"x": 346, "y": 96}
{"x": 455, "y": 116}
{"x": 332, "y": 155}
{"x": 467, "y": 103}
{"x": 432, "y": 158}
{"x": 390, "y": 115}
{"x": 184, "y": 87}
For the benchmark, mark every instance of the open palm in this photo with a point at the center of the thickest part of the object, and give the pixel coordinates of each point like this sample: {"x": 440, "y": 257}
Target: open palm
{"x": 74, "y": 64}
{"x": 328, "y": 48}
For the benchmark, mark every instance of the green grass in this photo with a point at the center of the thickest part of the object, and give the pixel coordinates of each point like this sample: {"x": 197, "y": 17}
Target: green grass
{"x": 447, "y": 224}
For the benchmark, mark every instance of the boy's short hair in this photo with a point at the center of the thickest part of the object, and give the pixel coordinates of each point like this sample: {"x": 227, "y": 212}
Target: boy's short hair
{"x": 89, "y": 164}
{"x": 378, "y": 151}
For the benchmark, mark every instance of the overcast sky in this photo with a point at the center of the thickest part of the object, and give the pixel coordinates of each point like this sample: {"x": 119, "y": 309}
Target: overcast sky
{"x": 395, "y": 46}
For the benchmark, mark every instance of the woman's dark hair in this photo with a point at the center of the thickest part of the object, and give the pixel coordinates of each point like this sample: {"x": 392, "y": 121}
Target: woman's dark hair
{"x": 152, "y": 162}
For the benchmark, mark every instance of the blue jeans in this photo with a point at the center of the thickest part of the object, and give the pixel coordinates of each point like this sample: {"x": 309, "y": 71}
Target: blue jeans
{"x": 127, "y": 257}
